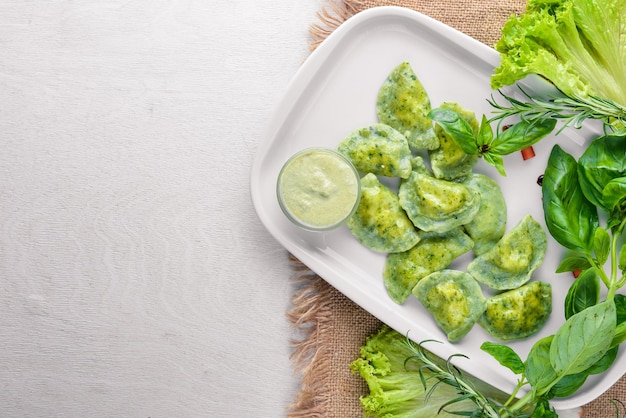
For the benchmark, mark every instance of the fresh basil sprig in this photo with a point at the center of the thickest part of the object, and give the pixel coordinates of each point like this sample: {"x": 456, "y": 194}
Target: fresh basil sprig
{"x": 575, "y": 196}
{"x": 492, "y": 147}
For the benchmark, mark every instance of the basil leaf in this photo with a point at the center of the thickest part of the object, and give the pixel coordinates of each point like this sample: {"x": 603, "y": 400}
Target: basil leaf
{"x": 521, "y": 135}
{"x": 620, "y": 335}
{"x": 569, "y": 384}
{"x": 620, "y": 307}
{"x": 583, "y": 293}
{"x": 603, "y": 160}
{"x": 614, "y": 195}
{"x": 583, "y": 339}
{"x": 570, "y": 217}
{"x": 496, "y": 161}
{"x": 485, "y": 134}
{"x": 573, "y": 263}
{"x": 613, "y": 222}
{"x": 604, "y": 363}
{"x": 622, "y": 258}
{"x": 601, "y": 245}
{"x": 539, "y": 371}
{"x": 543, "y": 410}
{"x": 505, "y": 356}
{"x": 457, "y": 127}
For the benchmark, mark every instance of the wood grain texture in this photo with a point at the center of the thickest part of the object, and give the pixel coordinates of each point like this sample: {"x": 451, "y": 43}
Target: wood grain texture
{"x": 135, "y": 277}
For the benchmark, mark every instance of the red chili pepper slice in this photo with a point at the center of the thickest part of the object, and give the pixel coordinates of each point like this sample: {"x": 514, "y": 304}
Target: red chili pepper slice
{"x": 528, "y": 153}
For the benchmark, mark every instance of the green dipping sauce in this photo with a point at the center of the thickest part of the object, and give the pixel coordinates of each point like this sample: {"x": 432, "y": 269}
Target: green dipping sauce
{"x": 318, "y": 189}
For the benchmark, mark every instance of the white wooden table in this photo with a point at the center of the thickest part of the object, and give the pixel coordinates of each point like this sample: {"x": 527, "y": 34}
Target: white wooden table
{"x": 136, "y": 280}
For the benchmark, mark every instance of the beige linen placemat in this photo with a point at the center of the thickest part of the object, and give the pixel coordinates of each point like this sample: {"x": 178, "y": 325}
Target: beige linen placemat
{"x": 331, "y": 327}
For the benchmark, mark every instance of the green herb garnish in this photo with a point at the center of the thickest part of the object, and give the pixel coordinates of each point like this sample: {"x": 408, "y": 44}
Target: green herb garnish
{"x": 571, "y": 111}
{"x": 484, "y": 143}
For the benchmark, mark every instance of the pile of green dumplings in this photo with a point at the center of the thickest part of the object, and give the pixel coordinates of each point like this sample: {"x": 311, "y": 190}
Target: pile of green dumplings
{"x": 440, "y": 211}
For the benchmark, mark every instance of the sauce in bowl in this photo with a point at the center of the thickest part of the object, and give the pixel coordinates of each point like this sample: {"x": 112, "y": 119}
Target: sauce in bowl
{"x": 318, "y": 189}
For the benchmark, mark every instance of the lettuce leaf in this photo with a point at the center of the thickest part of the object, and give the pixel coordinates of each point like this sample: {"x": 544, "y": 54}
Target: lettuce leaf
{"x": 395, "y": 387}
{"x": 577, "y": 45}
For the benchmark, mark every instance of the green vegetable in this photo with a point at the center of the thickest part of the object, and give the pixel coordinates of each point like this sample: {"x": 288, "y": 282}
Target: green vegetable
{"x": 603, "y": 161}
{"x": 591, "y": 180}
{"x": 577, "y": 45}
{"x": 571, "y": 219}
{"x": 404, "y": 382}
{"x": 584, "y": 293}
{"x": 483, "y": 142}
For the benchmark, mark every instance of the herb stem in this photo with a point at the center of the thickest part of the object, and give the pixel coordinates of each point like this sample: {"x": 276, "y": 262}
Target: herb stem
{"x": 600, "y": 270}
{"x": 615, "y": 283}
{"x": 614, "y": 254}
{"x": 571, "y": 110}
{"x": 522, "y": 404}
{"x": 451, "y": 375}
{"x": 520, "y": 384}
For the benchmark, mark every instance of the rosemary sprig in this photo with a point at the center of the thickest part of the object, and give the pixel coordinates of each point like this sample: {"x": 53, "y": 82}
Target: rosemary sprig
{"x": 447, "y": 373}
{"x": 570, "y": 110}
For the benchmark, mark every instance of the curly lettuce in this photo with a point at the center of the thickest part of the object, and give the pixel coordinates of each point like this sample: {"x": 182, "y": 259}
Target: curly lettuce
{"x": 577, "y": 45}
{"x": 396, "y": 389}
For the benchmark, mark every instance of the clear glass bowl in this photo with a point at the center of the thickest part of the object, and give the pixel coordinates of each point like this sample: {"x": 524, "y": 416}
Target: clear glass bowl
{"x": 318, "y": 189}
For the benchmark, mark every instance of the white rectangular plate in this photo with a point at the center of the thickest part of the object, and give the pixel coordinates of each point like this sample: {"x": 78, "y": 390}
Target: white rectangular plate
{"x": 335, "y": 93}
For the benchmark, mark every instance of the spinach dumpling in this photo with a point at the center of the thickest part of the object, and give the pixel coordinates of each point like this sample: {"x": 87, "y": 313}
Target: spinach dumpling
{"x": 403, "y": 104}
{"x": 379, "y": 222}
{"x": 378, "y": 149}
{"x": 434, "y": 204}
{"x": 510, "y": 263}
{"x": 489, "y": 225}
{"x": 518, "y": 313}
{"x": 432, "y": 253}
{"x": 449, "y": 161}
{"x": 454, "y": 299}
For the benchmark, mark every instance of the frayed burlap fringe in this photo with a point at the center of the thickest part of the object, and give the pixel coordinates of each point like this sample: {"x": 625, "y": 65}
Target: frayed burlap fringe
{"x": 309, "y": 314}
{"x": 331, "y": 331}
{"x": 333, "y": 14}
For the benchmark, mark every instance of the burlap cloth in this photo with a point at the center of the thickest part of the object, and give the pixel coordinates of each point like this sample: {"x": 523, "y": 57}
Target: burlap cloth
{"x": 331, "y": 327}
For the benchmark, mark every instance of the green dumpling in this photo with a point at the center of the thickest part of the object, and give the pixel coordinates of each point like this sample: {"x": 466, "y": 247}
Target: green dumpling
{"x": 449, "y": 161}
{"x": 489, "y": 225}
{"x": 511, "y": 262}
{"x": 403, "y": 104}
{"x": 432, "y": 253}
{"x": 378, "y": 149}
{"x": 434, "y": 204}
{"x": 518, "y": 313}
{"x": 379, "y": 222}
{"x": 454, "y": 299}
